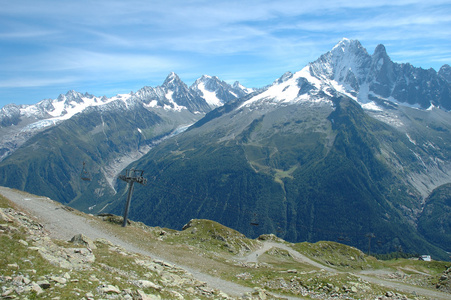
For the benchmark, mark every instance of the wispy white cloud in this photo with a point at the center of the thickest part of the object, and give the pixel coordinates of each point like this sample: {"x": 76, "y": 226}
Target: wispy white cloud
{"x": 25, "y": 34}
{"x": 91, "y": 61}
{"x": 81, "y": 65}
{"x": 26, "y": 82}
{"x": 88, "y": 41}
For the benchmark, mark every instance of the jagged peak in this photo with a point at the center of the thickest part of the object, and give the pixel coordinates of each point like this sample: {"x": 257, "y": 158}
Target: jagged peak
{"x": 346, "y": 43}
{"x": 206, "y": 78}
{"x": 342, "y": 42}
{"x": 172, "y": 77}
{"x": 284, "y": 77}
{"x": 445, "y": 72}
{"x": 238, "y": 85}
{"x": 346, "y": 50}
{"x": 71, "y": 95}
{"x": 380, "y": 51}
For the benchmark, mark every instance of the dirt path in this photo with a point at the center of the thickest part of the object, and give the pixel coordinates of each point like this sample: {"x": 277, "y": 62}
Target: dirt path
{"x": 63, "y": 224}
{"x": 253, "y": 257}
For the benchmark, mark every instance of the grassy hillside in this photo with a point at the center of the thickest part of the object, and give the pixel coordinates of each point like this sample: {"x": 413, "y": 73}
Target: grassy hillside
{"x": 50, "y": 163}
{"x": 435, "y": 222}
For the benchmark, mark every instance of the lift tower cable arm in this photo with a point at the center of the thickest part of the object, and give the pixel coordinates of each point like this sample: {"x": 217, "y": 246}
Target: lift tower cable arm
{"x": 131, "y": 176}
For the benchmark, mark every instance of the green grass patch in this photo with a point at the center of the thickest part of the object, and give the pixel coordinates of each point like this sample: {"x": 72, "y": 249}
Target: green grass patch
{"x": 4, "y": 203}
{"x": 212, "y": 236}
{"x": 338, "y": 255}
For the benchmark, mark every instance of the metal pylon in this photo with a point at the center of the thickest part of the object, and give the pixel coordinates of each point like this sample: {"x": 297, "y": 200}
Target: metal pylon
{"x": 131, "y": 176}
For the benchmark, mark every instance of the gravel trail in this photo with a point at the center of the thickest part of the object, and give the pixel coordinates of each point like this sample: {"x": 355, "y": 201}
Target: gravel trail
{"x": 252, "y": 257}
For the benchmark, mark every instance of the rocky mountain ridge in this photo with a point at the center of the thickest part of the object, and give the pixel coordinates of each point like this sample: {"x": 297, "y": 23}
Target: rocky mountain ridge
{"x": 376, "y": 77}
{"x": 372, "y": 80}
{"x": 20, "y": 122}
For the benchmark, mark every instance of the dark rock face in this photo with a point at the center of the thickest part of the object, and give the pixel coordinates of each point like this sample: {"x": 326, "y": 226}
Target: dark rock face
{"x": 9, "y": 115}
{"x": 445, "y": 72}
{"x": 350, "y": 65}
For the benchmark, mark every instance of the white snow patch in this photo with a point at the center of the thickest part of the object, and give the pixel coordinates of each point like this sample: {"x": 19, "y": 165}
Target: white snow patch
{"x": 175, "y": 106}
{"x": 40, "y": 125}
{"x": 305, "y": 73}
{"x": 209, "y": 96}
{"x": 414, "y": 106}
{"x": 364, "y": 91}
{"x": 243, "y": 88}
{"x": 152, "y": 103}
{"x": 371, "y": 106}
{"x": 428, "y": 144}
{"x": 169, "y": 95}
{"x": 64, "y": 111}
{"x": 29, "y": 111}
{"x": 389, "y": 119}
{"x": 410, "y": 139}
{"x": 432, "y": 107}
{"x": 341, "y": 44}
{"x": 58, "y": 108}
{"x": 342, "y": 90}
{"x": 286, "y": 91}
{"x": 123, "y": 97}
{"x": 419, "y": 158}
{"x": 74, "y": 108}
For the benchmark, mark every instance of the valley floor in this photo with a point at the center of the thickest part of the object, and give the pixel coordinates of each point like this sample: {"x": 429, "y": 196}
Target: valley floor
{"x": 207, "y": 270}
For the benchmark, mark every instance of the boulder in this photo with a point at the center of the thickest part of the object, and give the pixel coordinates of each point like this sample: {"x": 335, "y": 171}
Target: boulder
{"x": 43, "y": 284}
{"x": 81, "y": 239}
{"x": 109, "y": 289}
{"x": 58, "y": 279}
{"x": 36, "y": 288}
{"x": 145, "y": 284}
{"x": 4, "y": 217}
{"x": 144, "y": 296}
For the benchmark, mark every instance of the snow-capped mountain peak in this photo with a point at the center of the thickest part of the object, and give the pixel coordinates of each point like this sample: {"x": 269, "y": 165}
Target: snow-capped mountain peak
{"x": 173, "y": 80}
{"x": 20, "y": 122}
{"x": 345, "y": 62}
{"x": 290, "y": 88}
{"x": 369, "y": 79}
{"x": 207, "y": 87}
{"x": 217, "y": 92}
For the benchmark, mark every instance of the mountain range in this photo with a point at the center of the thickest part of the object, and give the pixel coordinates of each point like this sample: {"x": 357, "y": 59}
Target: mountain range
{"x": 352, "y": 147}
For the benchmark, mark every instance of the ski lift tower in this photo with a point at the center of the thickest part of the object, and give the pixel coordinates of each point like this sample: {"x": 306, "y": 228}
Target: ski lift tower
{"x": 131, "y": 176}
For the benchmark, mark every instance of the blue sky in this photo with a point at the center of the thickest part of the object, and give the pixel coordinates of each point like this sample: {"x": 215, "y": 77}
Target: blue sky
{"x": 110, "y": 47}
